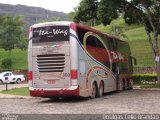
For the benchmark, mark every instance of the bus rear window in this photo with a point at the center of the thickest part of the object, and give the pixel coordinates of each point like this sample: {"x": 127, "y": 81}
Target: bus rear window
{"x": 50, "y": 34}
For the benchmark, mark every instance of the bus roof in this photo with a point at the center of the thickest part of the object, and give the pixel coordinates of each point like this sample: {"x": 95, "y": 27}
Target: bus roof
{"x": 68, "y": 23}
{"x": 52, "y": 23}
{"x": 99, "y": 32}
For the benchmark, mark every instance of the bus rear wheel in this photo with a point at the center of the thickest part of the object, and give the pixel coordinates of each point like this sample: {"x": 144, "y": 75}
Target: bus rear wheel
{"x": 1, "y": 82}
{"x": 101, "y": 89}
{"x": 94, "y": 91}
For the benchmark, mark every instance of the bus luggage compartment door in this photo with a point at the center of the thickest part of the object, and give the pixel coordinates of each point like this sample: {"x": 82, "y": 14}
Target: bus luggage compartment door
{"x": 51, "y": 70}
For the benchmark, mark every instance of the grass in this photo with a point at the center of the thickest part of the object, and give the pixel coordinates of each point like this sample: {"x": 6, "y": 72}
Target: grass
{"x": 140, "y": 47}
{"x": 17, "y": 91}
{"x": 19, "y": 58}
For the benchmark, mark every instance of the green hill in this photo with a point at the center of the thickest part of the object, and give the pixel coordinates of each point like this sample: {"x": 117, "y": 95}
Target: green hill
{"x": 140, "y": 47}
{"x": 31, "y": 15}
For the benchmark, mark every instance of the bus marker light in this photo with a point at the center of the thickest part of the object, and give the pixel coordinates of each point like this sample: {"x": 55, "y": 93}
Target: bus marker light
{"x": 74, "y": 74}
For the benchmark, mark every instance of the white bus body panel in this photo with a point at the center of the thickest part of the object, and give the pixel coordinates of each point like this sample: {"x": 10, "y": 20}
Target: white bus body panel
{"x": 86, "y": 79}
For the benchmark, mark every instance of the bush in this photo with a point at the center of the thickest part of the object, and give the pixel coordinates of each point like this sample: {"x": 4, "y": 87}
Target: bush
{"x": 144, "y": 79}
{"x": 7, "y": 63}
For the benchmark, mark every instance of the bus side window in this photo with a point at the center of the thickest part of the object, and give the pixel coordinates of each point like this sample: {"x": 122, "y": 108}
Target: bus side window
{"x": 109, "y": 44}
{"x": 81, "y": 32}
{"x": 106, "y": 41}
{"x": 131, "y": 62}
{"x": 115, "y": 68}
{"x": 113, "y": 44}
{"x": 93, "y": 41}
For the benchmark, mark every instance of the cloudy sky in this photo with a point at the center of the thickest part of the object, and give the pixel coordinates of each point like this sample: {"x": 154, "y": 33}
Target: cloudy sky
{"x": 65, "y": 6}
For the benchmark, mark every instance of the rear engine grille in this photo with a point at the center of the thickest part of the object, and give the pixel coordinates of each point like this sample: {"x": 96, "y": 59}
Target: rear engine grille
{"x": 51, "y": 62}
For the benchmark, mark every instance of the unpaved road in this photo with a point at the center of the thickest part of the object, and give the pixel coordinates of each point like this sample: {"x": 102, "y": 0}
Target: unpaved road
{"x": 131, "y": 101}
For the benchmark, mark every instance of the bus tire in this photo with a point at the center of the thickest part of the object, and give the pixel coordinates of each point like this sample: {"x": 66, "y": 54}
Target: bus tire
{"x": 101, "y": 89}
{"x": 127, "y": 84}
{"x": 123, "y": 84}
{"x": 130, "y": 84}
{"x": 120, "y": 85}
{"x": 1, "y": 82}
{"x": 94, "y": 91}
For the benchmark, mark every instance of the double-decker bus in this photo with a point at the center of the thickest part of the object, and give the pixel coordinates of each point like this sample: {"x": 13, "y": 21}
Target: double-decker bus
{"x": 68, "y": 59}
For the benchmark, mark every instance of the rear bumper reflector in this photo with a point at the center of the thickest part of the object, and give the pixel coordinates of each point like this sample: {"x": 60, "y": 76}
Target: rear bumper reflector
{"x": 52, "y": 93}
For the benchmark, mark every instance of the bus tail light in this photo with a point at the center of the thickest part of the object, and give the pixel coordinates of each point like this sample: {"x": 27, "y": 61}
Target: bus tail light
{"x": 74, "y": 74}
{"x": 30, "y": 76}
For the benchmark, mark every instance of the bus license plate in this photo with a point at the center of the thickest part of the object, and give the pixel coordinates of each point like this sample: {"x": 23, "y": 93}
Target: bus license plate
{"x": 51, "y": 81}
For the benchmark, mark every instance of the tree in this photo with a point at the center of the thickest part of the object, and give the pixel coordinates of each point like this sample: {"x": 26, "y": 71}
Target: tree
{"x": 11, "y": 34}
{"x": 87, "y": 11}
{"x": 71, "y": 16}
{"x": 146, "y": 12}
{"x": 107, "y": 11}
{"x": 1, "y": 20}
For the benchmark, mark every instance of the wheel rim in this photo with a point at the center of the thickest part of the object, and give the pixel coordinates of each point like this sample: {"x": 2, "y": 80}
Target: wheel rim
{"x": 18, "y": 81}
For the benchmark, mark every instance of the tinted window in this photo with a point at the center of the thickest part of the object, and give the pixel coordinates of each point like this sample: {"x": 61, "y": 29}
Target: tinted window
{"x": 50, "y": 34}
{"x": 81, "y": 33}
{"x": 106, "y": 41}
{"x": 95, "y": 47}
{"x": 113, "y": 44}
{"x": 7, "y": 74}
{"x": 93, "y": 41}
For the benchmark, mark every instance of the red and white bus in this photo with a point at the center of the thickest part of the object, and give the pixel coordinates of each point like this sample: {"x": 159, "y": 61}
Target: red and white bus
{"x": 68, "y": 59}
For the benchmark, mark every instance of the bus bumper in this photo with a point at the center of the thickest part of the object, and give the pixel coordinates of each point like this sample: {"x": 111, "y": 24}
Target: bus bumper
{"x": 42, "y": 92}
